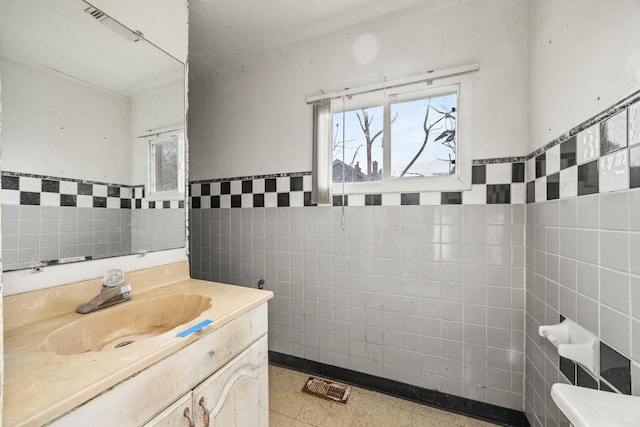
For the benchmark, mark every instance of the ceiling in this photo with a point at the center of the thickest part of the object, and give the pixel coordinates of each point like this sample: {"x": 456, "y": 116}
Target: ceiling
{"x": 59, "y": 35}
{"x": 224, "y": 34}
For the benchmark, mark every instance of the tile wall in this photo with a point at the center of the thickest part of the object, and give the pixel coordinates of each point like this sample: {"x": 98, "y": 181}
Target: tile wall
{"x": 583, "y": 255}
{"x": 423, "y": 288}
{"x": 48, "y": 219}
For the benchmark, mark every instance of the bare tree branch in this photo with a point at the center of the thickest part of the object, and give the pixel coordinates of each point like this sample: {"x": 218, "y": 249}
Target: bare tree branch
{"x": 427, "y": 131}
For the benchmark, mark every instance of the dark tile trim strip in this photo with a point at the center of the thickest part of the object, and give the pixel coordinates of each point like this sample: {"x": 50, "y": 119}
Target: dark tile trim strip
{"x": 444, "y": 401}
{"x": 517, "y": 159}
{"x": 57, "y": 178}
{"x": 244, "y": 178}
{"x": 611, "y": 111}
{"x": 476, "y": 162}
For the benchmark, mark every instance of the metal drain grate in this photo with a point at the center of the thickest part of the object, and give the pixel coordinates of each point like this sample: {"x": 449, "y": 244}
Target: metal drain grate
{"x": 327, "y": 389}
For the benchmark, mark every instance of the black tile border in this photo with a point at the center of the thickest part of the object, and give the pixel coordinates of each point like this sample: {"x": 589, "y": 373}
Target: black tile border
{"x": 448, "y": 402}
{"x": 603, "y": 115}
{"x": 51, "y": 185}
{"x": 516, "y": 159}
{"x": 58, "y": 178}
{"x": 248, "y": 177}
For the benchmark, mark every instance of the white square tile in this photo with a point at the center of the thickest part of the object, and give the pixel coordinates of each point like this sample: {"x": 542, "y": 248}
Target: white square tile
{"x": 270, "y": 200}
{"x": 530, "y": 171}
{"x": 541, "y": 189}
{"x": 588, "y": 144}
{"x": 614, "y": 171}
{"x": 517, "y": 193}
{"x": 476, "y": 196}
{"x": 175, "y": 204}
{"x": 84, "y": 201}
{"x": 634, "y": 125}
{"x": 296, "y": 199}
{"x": 100, "y": 190}
{"x": 68, "y": 187}
{"x": 205, "y": 202}
{"x": 283, "y": 184}
{"x": 635, "y": 374}
{"x": 215, "y": 188}
{"x": 246, "y": 200}
{"x": 499, "y": 173}
{"x": 10, "y": 197}
{"x": 145, "y": 204}
{"x": 391, "y": 199}
{"x": 431, "y": 198}
{"x": 125, "y": 192}
{"x": 225, "y": 201}
{"x": 553, "y": 160}
{"x": 138, "y": 192}
{"x": 31, "y": 184}
{"x": 236, "y": 186}
{"x": 569, "y": 182}
{"x": 112, "y": 202}
{"x": 258, "y": 186}
{"x": 356, "y": 199}
{"x": 195, "y": 190}
{"x": 307, "y": 183}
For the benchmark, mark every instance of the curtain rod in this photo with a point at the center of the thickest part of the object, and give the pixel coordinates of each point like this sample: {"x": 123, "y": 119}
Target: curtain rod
{"x": 429, "y": 75}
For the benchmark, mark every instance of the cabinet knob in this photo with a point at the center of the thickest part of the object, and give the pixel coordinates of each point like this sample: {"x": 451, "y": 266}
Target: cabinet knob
{"x": 205, "y": 415}
{"x": 186, "y": 415}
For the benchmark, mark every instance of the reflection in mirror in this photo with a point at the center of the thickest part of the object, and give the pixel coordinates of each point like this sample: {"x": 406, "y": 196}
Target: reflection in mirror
{"x": 92, "y": 121}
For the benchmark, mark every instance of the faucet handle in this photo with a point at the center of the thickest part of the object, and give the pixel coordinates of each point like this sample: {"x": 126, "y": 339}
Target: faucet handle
{"x": 113, "y": 278}
{"x": 124, "y": 290}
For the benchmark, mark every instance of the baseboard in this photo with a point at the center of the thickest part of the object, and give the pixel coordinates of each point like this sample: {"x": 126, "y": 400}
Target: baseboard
{"x": 448, "y": 402}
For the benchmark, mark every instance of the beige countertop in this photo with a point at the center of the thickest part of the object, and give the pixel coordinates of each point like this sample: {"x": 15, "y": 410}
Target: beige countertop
{"x": 40, "y": 385}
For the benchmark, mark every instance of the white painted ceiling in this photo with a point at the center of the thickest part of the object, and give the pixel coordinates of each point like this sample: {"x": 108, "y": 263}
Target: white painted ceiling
{"x": 59, "y": 35}
{"x": 224, "y": 34}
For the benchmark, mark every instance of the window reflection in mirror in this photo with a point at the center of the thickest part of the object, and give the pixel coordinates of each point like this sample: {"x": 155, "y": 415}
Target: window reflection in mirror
{"x": 78, "y": 91}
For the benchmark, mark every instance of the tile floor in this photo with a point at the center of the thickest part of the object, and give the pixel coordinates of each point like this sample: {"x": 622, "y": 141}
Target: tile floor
{"x": 289, "y": 407}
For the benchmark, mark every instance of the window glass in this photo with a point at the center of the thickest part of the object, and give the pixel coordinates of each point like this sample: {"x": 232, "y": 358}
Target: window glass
{"x": 358, "y": 152}
{"x": 166, "y": 165}
{"x": 423, "y": 137}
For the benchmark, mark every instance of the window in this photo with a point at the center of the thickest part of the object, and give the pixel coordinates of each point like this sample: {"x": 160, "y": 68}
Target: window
{"x": 410, "y": 138}
{"x": 166, "y": 166}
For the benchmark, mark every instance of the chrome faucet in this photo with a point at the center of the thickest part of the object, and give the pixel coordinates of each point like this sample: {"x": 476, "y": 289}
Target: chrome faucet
{"x": 112, "y": 293}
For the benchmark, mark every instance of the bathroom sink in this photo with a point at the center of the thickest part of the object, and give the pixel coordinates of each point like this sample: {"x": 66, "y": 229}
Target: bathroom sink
{"x": 585, "y": 407}
{"x": 119, "y": 326}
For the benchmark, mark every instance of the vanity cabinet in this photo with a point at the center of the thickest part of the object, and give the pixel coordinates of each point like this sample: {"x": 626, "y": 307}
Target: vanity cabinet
{"x": 175, "y": 415}
{"x": 226, "y": 369}
{"x": 236, "y": 395}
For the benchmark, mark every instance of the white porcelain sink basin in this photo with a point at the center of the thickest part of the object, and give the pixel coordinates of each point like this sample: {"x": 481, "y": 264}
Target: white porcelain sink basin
{"x": 585, "y": 407}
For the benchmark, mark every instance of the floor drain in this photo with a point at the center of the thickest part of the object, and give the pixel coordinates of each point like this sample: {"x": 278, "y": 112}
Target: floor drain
{"x": 327, "y": 389}
{"x": 123, "y": 343}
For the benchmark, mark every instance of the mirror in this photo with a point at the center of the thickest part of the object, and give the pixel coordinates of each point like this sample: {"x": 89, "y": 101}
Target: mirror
{"x": 86, "y": 103}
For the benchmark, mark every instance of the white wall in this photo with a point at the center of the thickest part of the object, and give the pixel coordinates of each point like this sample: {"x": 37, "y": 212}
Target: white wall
{"x": 584, "y": 56}
{"x": 57, "y": 126}
{"x": 254, "y": 120}
{"x": 156, "y": 109}
{"x": 163, "y": 22}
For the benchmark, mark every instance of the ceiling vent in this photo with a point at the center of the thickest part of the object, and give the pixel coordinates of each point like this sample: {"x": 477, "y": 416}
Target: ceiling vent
{"x": 113, "y": 25}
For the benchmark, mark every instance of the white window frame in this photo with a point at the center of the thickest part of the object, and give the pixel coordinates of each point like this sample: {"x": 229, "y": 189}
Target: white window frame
{"x": 460, "y": 181}
{"x": 157, "y": 140}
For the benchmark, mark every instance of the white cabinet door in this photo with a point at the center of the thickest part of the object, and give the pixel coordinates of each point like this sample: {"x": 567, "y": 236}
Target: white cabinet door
{"x": 238, "y": 394}
{"x": 179, "y": 414}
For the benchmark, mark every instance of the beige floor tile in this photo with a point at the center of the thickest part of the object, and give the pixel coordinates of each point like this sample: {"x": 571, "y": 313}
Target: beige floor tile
{"x": 371, "y": 413}
{"x": 364, "y": 408}
{"x": 285, "y": 396}
{"x": 277, "y": 420}
{"x": 320, "y": 412}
